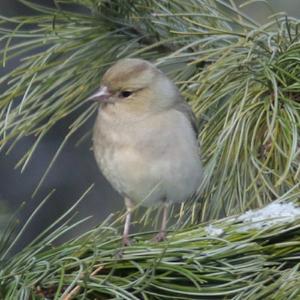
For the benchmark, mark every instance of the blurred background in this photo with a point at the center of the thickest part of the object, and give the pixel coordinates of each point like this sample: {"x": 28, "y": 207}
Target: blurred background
{"x": 75, "y": 169}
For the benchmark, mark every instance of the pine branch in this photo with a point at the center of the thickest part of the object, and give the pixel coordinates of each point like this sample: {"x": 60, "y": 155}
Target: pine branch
{"x": 232, "y": 258}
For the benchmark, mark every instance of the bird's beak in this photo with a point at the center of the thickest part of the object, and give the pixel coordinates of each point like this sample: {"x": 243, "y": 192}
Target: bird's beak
{"x": 101, "y": 95}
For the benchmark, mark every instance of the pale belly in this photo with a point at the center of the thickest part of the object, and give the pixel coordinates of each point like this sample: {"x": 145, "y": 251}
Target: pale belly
{"x": 145, "y": 172}
{"x": 150, "y": 181}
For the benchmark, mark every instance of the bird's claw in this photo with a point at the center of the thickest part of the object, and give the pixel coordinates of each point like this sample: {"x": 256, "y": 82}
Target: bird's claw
{"x": 126, "y": 241}
{"x": 160, "y": 237}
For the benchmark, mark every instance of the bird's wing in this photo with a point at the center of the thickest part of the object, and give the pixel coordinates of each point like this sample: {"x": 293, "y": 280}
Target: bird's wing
{"x": 183, "y": 107}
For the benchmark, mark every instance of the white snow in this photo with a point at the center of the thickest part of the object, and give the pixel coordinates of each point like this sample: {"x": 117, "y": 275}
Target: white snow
{"x": 213, "y": 230}
{"x": 273, "y": 213}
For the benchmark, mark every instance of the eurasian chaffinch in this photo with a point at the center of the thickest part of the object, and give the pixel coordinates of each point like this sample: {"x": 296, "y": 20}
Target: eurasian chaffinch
{"x": 145, "y": 138}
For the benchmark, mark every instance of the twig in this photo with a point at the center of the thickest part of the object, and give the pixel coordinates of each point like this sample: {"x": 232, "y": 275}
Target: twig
{"x": 77, "y": 288}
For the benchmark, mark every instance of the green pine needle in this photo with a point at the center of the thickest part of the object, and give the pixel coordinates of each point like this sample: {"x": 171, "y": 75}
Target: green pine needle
{"x": 242, "y": 80}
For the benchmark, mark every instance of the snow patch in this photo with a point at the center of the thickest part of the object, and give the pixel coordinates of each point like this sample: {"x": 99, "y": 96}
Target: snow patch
{"x": 213, "y": 231}
{"x": 273, "y": 213}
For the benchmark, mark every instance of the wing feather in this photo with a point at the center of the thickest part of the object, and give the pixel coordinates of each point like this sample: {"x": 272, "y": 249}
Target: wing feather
{"x": 183, "y": 107}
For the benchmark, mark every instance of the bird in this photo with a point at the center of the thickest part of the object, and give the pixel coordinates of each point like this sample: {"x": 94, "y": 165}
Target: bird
{"x": 145, "y": 139}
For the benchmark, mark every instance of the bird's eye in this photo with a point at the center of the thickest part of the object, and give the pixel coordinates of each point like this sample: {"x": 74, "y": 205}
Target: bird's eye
{"x": 125, "y": 94}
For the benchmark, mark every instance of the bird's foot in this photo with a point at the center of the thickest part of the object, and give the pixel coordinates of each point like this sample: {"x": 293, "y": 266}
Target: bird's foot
{"x": 160, "y": 237}
{"x": 126, "y": 242}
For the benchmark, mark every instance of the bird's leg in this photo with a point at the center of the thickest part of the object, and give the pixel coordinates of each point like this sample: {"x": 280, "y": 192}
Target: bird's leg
{"x": 129, "y": 207}
{"x": 161, "y": 236}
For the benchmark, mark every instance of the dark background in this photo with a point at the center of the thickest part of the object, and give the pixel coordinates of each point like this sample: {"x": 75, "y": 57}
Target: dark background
{"x": 75, "y": 169}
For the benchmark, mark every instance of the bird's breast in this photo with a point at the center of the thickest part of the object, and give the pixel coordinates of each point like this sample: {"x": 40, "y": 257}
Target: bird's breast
{"x": 148, "y": 160}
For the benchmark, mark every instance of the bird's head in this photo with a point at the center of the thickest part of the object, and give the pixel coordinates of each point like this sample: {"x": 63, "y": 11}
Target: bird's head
{"x": 137, "y": 84}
